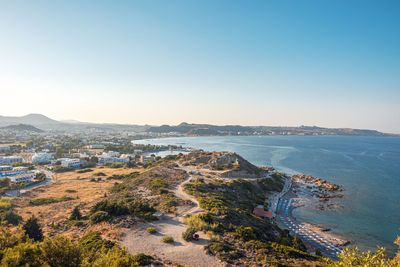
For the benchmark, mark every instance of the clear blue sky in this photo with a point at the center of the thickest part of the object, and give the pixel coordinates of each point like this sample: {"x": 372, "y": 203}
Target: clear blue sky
{"x": 325, "y": 63}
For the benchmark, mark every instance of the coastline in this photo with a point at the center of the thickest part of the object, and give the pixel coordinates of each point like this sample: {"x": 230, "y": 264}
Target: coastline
{"x": 298, "y": 190}
{"x": 314, "y": 236}
{"x": 352, "y": 162}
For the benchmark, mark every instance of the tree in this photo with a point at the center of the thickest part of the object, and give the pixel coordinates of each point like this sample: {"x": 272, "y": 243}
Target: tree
{"x": 40, "y": 176}
{"x": 60, "y": 251}
{"x": 75, "y": 214}
{"x": 11, "y": 217}
{"x": 33, "y": 229}
{"x": 188, "y": 234}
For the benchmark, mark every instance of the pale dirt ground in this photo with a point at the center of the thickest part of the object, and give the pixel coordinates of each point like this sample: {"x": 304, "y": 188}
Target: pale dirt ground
{"x": 186, "y": 253}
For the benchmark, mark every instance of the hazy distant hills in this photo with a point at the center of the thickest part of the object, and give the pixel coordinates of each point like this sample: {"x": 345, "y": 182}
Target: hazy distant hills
{"x": 38, "y": 122}
{"x": 22, "y": 127}
{"x": 44, "y": 123}
{"x": 208, "y": 129}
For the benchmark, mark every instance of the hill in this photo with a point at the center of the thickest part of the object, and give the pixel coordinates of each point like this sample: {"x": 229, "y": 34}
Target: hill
{"x": 22, "y": 127}
{"x": 208, "y": 129}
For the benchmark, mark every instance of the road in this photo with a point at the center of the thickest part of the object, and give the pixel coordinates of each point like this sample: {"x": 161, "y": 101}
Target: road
{"x": 49, "y": 179}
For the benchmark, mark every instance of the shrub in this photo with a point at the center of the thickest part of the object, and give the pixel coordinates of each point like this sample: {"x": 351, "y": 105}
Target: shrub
{"x": 33, "y": 229}
{"x": 245, "y": 233}
{"x": 99, "y": 216}
{"x": 23, "y": 254}
{"x": 11, "y": 217}
{"x": 151, "y": 230}
{"x": 84, "y": 170}
{"x": 168, "y": 239}
{"x": 70, "y": 191}
{"x": 100, "y": 174}
{"x": 113, "y": 208}
{"x": 142, "y": 259}
{"x": 75, "y": 214}
{"x": 45, "y": 201}
{"x": 5, "y": 203}
{"x": 117, "y": 188}
{"x": 158, "y": 183}
{"x": 188, "y": 234}
{"x": 60, "y": 251}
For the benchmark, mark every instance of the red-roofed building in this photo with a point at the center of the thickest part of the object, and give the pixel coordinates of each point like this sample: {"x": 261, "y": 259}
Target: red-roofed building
{"x": 260, "y": 212}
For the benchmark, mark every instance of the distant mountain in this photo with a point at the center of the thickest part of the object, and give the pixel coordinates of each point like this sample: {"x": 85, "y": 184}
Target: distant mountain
{"x": 190, "y": 129}
{"x": 45, "y": 123}
{"x": 202, "y": 129}
{"x": 22, "y": 127}
{"x": 31, "y": 119}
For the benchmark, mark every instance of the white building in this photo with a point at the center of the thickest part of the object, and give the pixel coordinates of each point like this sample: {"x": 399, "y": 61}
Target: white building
{"x": 96, "y": 146}
{"x": 10, "y": 160}
{"x": 22, "y": 178}
{"x": 4, "y": 148}
{"x": 107, "y": 159}
{"x": 110, "y": 154}
{"x": 71, "y": 163}
{"x": 41, "y": 157}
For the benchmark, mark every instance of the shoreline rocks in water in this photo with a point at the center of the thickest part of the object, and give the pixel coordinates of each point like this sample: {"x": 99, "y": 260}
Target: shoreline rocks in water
{"x": 318, "y": 182}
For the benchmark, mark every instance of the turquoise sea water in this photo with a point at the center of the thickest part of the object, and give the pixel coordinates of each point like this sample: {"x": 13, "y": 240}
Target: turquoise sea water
{"x": 367, "y": 167}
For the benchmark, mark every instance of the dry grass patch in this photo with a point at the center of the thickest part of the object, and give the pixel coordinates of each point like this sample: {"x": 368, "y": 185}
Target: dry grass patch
{"x": 54, "y": 217}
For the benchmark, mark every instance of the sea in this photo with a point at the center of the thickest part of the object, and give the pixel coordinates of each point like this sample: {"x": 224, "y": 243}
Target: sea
{"x": 367, "y": 167}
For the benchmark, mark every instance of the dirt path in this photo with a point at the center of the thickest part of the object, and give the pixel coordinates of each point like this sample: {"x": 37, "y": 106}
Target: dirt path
{"x": 186, "y": 253}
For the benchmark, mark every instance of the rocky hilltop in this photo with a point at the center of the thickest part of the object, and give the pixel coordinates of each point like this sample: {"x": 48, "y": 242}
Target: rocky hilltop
{"x": 226, "y": 164}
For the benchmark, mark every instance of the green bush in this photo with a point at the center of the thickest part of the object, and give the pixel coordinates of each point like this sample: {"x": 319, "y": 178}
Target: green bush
{"x": 99, "y": 216}
{"x": 158, "y": 183}
{"x": 142, "y": 259}
{"x": 5, "y": 203}
{"x": 75, "y": 214}
{"x": 245, "y": 233}
{"x": 33, "y": 229}
{"x": 11, "y": 217}
{"x": 188, "y": 234}
{"x": 168, "y": 239}
{"x": 84, "y": 170}
{"x": 71, "y": 191}
{"x": 45, "y": 201}
{"x": 151, "y": 230}
{"x": 100, "y": 174}
{"x": 60, "y": 251}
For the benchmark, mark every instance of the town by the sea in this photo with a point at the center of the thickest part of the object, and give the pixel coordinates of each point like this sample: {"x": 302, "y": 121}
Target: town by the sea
{"x": 368, "y": 168}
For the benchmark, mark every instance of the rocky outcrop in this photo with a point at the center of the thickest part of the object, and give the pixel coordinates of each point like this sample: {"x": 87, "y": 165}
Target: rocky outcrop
{"x": 320, "y": 183}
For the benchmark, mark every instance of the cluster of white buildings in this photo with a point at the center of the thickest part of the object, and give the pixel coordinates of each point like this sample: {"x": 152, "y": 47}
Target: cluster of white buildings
{"x": 9, "y": 160}
{"x": 17, "y": 174}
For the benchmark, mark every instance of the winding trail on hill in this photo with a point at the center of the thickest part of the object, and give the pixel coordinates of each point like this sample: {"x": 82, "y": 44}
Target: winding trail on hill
{"x": 187, "y": 253}
{"x": 180, "y": 193}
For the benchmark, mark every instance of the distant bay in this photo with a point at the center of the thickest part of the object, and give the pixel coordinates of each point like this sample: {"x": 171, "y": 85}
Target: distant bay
{"x": 367, "y": 167}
